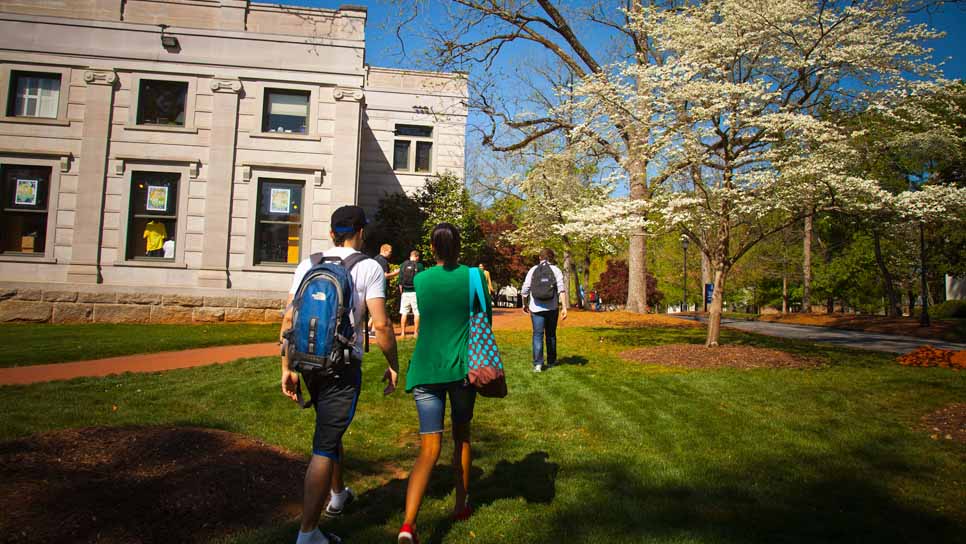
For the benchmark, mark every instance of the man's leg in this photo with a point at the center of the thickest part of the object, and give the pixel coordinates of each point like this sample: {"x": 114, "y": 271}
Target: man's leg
{"x": 551, "y": 326}
{"x": 415, "y": 325}
{"x": 538, "y": 322}
{"x": 402, "y": 324}
{"x": 318, "y": 479}
{"x": 338, "y": 484}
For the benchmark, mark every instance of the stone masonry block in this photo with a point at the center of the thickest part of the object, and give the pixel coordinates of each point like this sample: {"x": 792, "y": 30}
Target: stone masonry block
{"x": 60, "y": 296}
{"x": 138, "y": 298}
{"x": 263, "y": 303}
{"x": 208, "y": 315}
{"x": 244, "y": 314}
{"x": 183, "y": 300}
{"x": 21, "y": 310}
{"x": 72, "y": 313}
{"x": 29, "y": 294}
{"x": 121, "y": 313}
{"x": 97, "y": 298}
{"x": 273, "y": 316}
{"x": 171, "y": 314}
{"x": 221, "y": 302}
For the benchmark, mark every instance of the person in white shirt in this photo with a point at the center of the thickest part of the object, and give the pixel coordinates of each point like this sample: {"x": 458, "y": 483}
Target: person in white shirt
{"x": 335, "y": 397}
{"x": 545, "y": 288}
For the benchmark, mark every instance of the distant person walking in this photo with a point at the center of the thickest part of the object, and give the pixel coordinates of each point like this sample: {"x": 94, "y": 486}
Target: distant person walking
{"x": 546, "y": 290}
{"x": 489, "y": 282}
{"x": 407, "y": 302}
{"x": 438, "y": 369}
{"x": 385, "y": 253}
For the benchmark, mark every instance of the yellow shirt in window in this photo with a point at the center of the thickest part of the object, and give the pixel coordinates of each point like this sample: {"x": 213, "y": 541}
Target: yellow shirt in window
{"x": 155, "y": 233}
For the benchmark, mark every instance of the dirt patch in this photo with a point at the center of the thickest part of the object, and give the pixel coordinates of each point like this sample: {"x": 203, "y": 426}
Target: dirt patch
{"x": 516, "y": 320}
{"x": 947, "y": 423}
{"x": 143, "y": 484}
{"x": 698, "y": 356}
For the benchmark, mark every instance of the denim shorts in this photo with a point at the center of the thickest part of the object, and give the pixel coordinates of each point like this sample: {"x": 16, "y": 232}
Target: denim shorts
{"x": 431, "y": 404}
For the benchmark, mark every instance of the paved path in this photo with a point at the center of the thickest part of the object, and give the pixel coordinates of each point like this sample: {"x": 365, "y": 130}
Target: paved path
{"x": 840, "y": 337}
{"x": 151, "y": 362}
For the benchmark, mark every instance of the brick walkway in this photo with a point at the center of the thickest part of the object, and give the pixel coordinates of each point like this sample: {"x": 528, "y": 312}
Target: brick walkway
{"x": 151, "y": 362}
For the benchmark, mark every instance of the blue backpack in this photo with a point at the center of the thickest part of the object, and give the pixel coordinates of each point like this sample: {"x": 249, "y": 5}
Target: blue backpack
{"x": 319, "y": 343}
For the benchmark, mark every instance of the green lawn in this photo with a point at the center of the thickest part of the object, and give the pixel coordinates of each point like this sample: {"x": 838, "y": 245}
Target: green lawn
{"x": 29, "y": 344}
{"x": 601, "y": 450}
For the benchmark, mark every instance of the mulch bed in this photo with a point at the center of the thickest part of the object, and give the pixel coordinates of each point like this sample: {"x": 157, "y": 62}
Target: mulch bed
{"x": 143, "y": 484}
{"x": 516, "y": 320}
{"x": 698, "y": 356}
{"x": 947, "y": 423}
{"x": 928, "y": 356}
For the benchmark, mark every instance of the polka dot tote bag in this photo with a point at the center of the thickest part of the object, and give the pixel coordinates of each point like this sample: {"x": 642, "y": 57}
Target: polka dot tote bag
{"x": 485, "y": 366}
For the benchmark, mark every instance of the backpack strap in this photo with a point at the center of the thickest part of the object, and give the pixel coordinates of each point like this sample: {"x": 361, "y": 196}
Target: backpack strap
{"x": 349, "y": 263}
{"x": 316, "y": 258}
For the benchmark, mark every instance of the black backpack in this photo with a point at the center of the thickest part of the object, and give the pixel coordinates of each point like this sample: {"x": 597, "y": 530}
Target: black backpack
{"x": 543, "y": 284}
{"x": 407, "y": 273}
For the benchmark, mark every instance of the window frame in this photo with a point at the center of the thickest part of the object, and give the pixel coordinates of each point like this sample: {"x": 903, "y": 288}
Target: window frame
{"x": 290, "y": 92}
{"x": 259, "y": 92}
{"x": 135, "y": 100}
{"x": 279, "y": 177}
{"x": 6, "y": 74}
{"x": 413, "y": 144}
{"x": 53, "y": 208}
{"x": 123, "y": 230}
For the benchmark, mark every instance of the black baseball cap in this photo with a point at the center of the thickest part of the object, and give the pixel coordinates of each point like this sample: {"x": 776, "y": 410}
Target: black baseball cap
{"x": 348, "y": 219}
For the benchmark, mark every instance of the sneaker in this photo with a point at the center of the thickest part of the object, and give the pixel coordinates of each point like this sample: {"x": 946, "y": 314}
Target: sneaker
{"x": 537, "y": 368}
{"x": 407, "y": 535}
{"x": 333, "y": 539}
{"x": 336, "y": 512}
{"x": 464, "y": 514}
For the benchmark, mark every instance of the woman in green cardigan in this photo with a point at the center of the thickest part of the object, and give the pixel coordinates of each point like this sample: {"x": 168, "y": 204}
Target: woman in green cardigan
{"x": 438, "y": 368}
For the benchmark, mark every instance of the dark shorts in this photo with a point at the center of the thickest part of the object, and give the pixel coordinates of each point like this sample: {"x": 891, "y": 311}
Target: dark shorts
{"x": 335, "y": 405}
{"x": 431, "y": 404}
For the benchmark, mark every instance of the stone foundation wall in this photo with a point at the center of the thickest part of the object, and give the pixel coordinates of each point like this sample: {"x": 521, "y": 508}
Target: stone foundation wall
{"x": 67, "y": 306}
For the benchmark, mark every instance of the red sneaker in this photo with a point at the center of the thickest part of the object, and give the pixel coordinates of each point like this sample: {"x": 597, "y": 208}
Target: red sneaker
{"x": 407, "y": 535}
{"x": 464, "y": 514}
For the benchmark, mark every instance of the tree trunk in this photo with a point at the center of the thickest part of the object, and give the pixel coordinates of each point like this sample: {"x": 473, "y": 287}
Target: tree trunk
{"x": 892, "y": 308}
{"x": 570, "y": 271}
{"x": 717, "y": 306}
{"x": 807, "y": 267}
{"x": 784, "y": 292}
{"x": 912, "y": 300}
{"x": 587, "y": 272}
{"x": 637, "y": 254}
{"x": 924, "y": 314}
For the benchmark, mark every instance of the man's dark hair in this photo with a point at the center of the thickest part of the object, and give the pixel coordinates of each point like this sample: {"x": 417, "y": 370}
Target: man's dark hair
{"x": 446, "y": 242}
{"x": 339, "y": 238}
{"x": 546, "y": 254}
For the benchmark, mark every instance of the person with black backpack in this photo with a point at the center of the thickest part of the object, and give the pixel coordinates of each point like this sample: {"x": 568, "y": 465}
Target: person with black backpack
{"x": 323, "y": 332}
{"x": 407, "y": 286}
{"x": 546, "y": 290}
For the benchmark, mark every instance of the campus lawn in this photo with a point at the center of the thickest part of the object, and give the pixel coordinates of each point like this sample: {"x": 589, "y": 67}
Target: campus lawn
{"x": 31, "y": 344}
{"x": 598, "y": 449}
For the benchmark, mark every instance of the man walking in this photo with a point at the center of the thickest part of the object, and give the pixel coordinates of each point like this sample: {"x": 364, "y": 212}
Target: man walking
{"x": 546, "y": 290}
{"x": 385, "y": 253}
{"x": 407, "y": 304}
{"x": 335, "y": 397}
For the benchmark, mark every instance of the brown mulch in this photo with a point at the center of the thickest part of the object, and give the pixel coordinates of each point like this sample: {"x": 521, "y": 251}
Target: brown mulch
{"x": 516, "y": 320}
{"x": 698, "y": 356}
{"x": 947, "y": 423}
{"x": 928, "y": 356}
{"x": 143, "y": 484}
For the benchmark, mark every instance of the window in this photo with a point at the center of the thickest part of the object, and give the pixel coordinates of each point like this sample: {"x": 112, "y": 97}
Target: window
{"x": 286, "y": 111}
{"x": 413, "y": 149}
{"x": 162, "y": 102}
{"x": 24, "y": 213}
{"x": 34, "y": 94}
{"x": 153, "y": 215}
{"x": 278, "y": 227}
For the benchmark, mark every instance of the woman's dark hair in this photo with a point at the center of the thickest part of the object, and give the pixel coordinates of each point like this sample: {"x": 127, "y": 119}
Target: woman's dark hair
{"x": 446, "y": 242}
{"x": 546, "y": 254}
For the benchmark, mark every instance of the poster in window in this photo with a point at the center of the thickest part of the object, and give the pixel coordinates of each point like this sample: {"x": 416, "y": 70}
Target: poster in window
{"x": 281, "y": 201}
{"x": 157, "y": 199}
{"x": 26, "y": 194}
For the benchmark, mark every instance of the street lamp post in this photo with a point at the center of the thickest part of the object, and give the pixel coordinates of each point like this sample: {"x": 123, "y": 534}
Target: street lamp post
{"x": 684, "y": 245}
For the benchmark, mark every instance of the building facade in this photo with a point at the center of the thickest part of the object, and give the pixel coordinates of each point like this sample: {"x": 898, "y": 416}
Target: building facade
{"x": 195, "y": 148}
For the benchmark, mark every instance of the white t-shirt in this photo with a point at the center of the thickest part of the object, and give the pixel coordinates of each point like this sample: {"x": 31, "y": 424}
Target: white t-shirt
{"x": 168, "y": 248}
{"x": 367, "y": 279}
{"x": 561, "y": 289}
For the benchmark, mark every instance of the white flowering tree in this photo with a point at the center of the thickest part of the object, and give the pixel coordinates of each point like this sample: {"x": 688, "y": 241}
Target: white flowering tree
{"x": 742, "y": 92}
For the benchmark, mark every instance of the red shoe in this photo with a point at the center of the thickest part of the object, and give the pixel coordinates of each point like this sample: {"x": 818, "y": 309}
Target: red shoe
{"x": 464, "y": 514}
{"x": 407, "y": 535}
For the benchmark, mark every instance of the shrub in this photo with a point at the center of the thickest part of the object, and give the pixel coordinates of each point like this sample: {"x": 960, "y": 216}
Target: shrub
{"x": 951, "y": 309}
{"x": 612, "y": 285}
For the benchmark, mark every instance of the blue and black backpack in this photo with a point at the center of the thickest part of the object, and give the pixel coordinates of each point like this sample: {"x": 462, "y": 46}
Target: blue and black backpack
{"x": 319, "y": 343}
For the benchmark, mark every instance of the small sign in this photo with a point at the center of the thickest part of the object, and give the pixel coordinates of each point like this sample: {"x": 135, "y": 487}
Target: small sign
{"x": 281, "y": 201}
{"x": 26, "y": 194}
{"x": 157, "y": 199}
{"x": 708, "y": 292}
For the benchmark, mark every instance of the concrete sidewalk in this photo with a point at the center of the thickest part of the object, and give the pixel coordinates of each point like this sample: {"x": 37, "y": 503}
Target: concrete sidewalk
{"x": 839, "y": 337}
{"x": 150, "y": 362}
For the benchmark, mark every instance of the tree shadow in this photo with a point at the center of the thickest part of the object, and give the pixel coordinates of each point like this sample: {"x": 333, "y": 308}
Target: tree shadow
{"x": 578, "y": 360}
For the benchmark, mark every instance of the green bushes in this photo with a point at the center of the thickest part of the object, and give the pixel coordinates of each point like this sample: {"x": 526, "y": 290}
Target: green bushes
{"x": 951, "y": 309}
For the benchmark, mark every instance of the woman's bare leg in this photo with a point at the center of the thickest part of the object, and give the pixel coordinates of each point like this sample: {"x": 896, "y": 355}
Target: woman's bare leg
{"x": 419, "y": 477}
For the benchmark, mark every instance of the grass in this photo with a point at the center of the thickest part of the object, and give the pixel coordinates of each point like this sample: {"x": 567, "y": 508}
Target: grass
{"x": 28, "y": 344}
{"x": 599, "y": 449}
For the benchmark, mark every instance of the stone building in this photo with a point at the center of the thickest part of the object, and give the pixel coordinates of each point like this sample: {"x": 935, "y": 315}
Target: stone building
{"x": 171, "y": 159}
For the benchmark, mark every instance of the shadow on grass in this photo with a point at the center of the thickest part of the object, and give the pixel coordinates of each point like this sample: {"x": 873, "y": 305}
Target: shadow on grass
{"x": 578, "y": 360}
